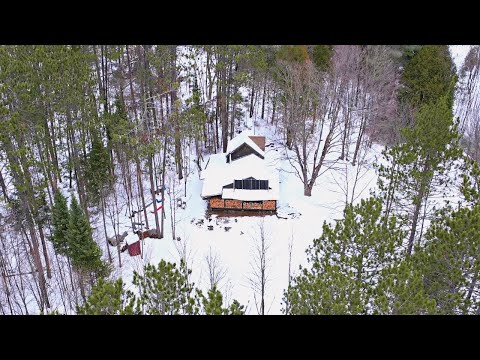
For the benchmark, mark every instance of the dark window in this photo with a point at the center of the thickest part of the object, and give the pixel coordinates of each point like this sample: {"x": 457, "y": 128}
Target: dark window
{"x": 247, "y": 184}
{"x": 251, "y": 184}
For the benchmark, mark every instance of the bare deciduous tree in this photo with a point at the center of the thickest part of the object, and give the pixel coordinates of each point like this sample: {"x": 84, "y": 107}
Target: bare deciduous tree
{"x": 312, "y": 105}
{"x": 260, "y": 274}
{"x": 216, "y": 270}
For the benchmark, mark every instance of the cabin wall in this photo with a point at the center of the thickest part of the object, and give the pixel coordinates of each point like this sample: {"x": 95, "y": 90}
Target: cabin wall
{"x": 233, "y": 204}
{"x": 219, "y": 203}
{"x": 269, "y": 205}
{"x": 243, "y": 150}
{"x": 253, "y": 205}
{"x": 216, "y": 203}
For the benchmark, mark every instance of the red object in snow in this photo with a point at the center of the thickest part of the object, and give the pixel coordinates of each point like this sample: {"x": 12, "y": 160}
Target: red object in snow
{"x": 134, "y": 249}
{"x": 153, "y": 212}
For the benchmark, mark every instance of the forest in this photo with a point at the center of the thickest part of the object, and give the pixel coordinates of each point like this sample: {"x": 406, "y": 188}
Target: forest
{"x": 102, "y": 148}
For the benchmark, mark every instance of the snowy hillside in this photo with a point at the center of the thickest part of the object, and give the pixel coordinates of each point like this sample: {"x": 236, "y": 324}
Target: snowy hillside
{"x": 191, "y": 232}
{"x": 233, "y": 239}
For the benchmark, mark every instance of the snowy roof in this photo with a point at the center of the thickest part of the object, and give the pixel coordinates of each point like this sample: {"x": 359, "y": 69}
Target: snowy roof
{"x": 243, "y": 138}
{"x": 219, "y": 173}
{"x": 213, "y": 175}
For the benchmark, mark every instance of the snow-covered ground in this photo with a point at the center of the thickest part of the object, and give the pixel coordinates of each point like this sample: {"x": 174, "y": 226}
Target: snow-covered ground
{"x": 459, "y": 52}
{"x": 233, "y": 238}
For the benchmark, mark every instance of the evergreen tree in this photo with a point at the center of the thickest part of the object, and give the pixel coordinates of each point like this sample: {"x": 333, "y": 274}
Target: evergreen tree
{"x": 418, "y": 168}
{"x": 194, "y": 117}
{"x": 470, "y": 186}
{"x": 108, "y": 298}
{"x": 165, "y": 290}
{"x": 293, "y": 53}
{"x": 120, "y": 127}
{"x": 97, "y": 170}
{"x": 401, "y": 290}
{"x": 429, "y": 76}
{"x": 83, "y": 250}
{"x": 402, "y": 54}
{"x": 451, "y": 261}
{"x": 322, "y": 55}
{"x": 347, "y": 262}
{"x": 60, "y": 224}
{"x": 212, "y": 304}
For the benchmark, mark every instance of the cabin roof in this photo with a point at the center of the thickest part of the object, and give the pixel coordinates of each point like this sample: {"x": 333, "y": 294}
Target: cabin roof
{"x": 246, "y": 137}
{"x": 259, "y": 140}
{"x": 219, "y": 173}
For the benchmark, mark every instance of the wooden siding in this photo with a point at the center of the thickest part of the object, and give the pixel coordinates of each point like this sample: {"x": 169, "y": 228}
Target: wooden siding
{"x": 233, "y": 204}
{"x": 253, "y": 205}
{"x": 217, "y": 203}
{"x": 269, "y": 205}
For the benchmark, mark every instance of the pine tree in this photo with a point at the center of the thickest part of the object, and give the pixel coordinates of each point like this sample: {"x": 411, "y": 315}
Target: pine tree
{"x": 212, "y": 304}
{"x": 429, "y": 76}
{"x": 193, "y": 118}
{"x": 401, "y": 290}
{"x": 322, "y": 55}
{"x": 293, "y": 53}
{"x": 470, "y": 187}
{"x": 108, "y": 298}
{"x": 346, "y": 261}
{"x": 97, "y": 171}
{"x": 451, "y": 260}
{"x": 83, "y": 250}
{"x": 165, "y": 290}
{"x": 418, "y": 168}
{"x": 60, "y": 224}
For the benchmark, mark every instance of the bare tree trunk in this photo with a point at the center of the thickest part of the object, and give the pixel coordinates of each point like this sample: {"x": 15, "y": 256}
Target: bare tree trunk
{"x": 290, "y": 247}
{"x": 152, "y": 185}
{"x": 274, "y": 106}
{"x": 209, "y": 73}
{"x": 223, "y": 103}
{"x": 472, "y": 285}
{"x": 175, "y": 115}
{"x": 116, "y": 226}
{"x": 45, "y": 252}
{"x": 37, "y": 260}
{"x": 163, "y": 183}
{"x": 105, "y": 230}
{"x": 263, "y": 98}
{"x": 97, "y": 69}
{"x": 216, "y": 271}
{"x": 3, "y": 271}
{"x": 413, "y": 229}
{"x": 359, "y": 140}
{"x": 259, "y": 277}
{"x": 4, "y": 187}
{"x": 252, "y": 95}
{"x": 217, "y": 106}
{"x": 81, "y": 285}
{"x": 72, "y": 283}
{"x": 140, "y": 185}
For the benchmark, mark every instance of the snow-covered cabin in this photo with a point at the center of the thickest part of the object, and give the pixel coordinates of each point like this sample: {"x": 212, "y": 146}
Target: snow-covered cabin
{"x": 241, "y": 179}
